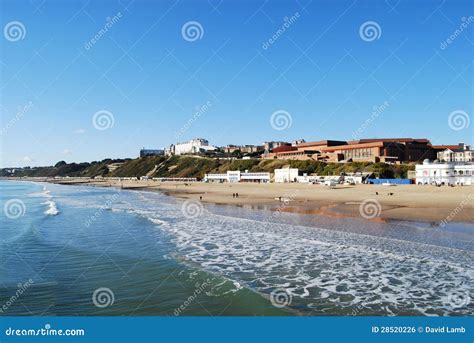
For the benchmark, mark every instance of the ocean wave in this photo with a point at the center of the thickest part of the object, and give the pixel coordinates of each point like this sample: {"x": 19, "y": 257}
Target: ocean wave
{"x": 157, "y": 221}
{"x": 323, "y": 270}
{"x": 52, "y": 208}
{"x": 44, "y": 194}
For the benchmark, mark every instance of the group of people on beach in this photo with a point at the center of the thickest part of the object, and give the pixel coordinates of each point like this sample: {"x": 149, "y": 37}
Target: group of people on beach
{"x": 234, "y": 195}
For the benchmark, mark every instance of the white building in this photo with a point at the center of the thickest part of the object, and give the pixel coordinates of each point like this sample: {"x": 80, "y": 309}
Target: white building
{"x": 444, "y": 174}
{"x": 355, "y": 179}
{"x": 238, "y": 176}
{"x": 305, "y": 178}
{"x": 463, "y": 153}
{"x": 193, "y": 146}
{"x": 286, "y": 174}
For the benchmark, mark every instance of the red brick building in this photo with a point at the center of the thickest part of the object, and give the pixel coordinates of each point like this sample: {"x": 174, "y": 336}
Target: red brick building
{"x": 367, "y": 150}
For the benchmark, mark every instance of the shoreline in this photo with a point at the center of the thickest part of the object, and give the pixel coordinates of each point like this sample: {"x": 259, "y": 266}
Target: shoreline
{"x": 407, "y": 202}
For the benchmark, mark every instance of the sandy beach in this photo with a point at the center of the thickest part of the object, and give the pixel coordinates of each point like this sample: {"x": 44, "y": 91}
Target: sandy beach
{"x": 408, "y": 202}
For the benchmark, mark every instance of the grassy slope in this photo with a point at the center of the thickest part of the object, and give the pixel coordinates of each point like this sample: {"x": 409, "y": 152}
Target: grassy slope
{"x": 71, "y": 169}
{"x": 137, "y": 167}
{"x": 187, "y": 166}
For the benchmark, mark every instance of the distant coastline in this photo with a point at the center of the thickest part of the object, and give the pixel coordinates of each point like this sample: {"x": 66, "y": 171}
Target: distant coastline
{"x": 197, "y": 166}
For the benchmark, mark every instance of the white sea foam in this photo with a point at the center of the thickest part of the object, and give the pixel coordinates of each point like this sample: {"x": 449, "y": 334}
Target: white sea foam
{"x": 43, "y": 194}
{"x": 52, "y": 208}
{"x": 325, "y": 269}
{"x": 157, "y": 221}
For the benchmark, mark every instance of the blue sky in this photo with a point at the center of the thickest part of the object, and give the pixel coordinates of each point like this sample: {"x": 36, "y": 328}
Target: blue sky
{"x": 321, "y": 70}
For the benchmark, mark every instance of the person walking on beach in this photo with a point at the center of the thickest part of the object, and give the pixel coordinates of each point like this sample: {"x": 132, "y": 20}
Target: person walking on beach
{"x": 236, "y": 195}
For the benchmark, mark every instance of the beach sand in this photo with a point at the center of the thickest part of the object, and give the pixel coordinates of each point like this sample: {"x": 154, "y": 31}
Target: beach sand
{"x": 408, "y": 202}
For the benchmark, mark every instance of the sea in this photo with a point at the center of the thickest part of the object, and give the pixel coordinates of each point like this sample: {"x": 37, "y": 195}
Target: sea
{"x": 73, "y": 250}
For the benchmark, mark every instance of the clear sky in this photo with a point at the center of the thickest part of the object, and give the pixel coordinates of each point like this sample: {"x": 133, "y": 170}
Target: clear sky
{"x": 151, "y": 74}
